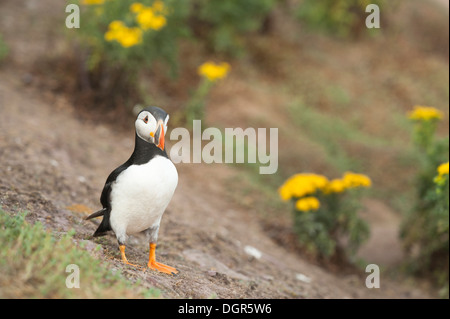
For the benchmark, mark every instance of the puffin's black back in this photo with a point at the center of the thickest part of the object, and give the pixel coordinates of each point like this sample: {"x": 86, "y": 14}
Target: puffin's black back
{"x": 143, "y": 153}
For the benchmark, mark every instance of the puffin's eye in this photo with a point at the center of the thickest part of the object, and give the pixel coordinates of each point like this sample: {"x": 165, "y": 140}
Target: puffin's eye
{"x": 146, "y": 119}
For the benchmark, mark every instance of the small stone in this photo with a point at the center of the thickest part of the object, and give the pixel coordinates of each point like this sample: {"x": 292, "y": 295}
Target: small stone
{"x": 54, "y": 163}
{"x": 253, "y": 252}
{"x": 303, "y": 278}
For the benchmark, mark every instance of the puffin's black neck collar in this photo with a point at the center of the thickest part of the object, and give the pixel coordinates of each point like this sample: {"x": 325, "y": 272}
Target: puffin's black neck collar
{"x": 144, "y": 152}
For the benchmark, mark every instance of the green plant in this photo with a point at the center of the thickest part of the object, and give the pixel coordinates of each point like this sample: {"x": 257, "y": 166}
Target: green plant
{"x": 340, "y": 17}
{"x": 229, "y": 21}
{"x": 33, "y": 265}
{"x": 4, "y": 50}
{"x": 330, "y": 132}
{"x": 210, "y": 73}
{"x": 425, "y": 229}
{"x": 325, "y": 211}
{"x": 433, "y": 236}
{"x": 122, "y": 38}
{"x": 441, "y": 212}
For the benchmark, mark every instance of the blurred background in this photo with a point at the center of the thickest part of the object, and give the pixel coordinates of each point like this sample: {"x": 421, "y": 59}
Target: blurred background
{"x": 342, "y": 96}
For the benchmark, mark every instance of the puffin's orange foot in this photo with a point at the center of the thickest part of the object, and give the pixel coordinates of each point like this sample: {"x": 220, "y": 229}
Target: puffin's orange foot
{"x": 124, "y": 258}
{"x": 132, "y": 265}
{"x": 153, "y": 265}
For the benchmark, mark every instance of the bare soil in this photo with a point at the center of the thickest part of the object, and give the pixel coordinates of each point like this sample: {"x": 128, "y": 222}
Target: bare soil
{"x": 54, "y": 164}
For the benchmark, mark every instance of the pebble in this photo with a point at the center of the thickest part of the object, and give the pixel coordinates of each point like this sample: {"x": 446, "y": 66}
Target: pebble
{"x": 303, "y": 278}
{"x": 253, "y": 252}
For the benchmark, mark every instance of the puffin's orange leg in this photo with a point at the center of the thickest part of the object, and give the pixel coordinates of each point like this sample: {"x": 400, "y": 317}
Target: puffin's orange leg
{"x": 124, "y": 258}
{"x": 154, "y": 265}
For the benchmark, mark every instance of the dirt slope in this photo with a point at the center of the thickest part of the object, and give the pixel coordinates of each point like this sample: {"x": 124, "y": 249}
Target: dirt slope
{"x": 54, "y": 165}
{"x": 51, "y": 160}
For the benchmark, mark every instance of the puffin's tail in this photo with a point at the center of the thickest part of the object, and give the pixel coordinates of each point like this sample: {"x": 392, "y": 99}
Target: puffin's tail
{"x": 104, "y": 226}
{"x": 97, "y": 214}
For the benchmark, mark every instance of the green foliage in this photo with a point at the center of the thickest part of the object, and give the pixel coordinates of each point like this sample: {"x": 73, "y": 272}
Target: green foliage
{"x": 4, "y": 50}
{"x": 115, "y": 55}
{"x": 195, "y": 109}
{"x": 156, "y": 45}
{"x": 112, "y": 68}
{"x": 336, "y": 219}
{"x": 423, "y": 137}
{"x": 330, "y": 132}
{"x": 326, "y": 212}
{"x": 33, "y": 265}
{"x": 339, "y": 17}
{"x": 229, "y": 21}
{"x": 210, "y": 73}
{"x": 426, "y": 228}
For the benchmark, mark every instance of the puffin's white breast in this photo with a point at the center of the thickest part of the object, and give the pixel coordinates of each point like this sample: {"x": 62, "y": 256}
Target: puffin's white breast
{"x": 141, "y": 194}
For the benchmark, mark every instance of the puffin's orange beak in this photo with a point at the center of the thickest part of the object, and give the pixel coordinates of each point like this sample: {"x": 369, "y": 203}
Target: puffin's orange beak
{"x": 160, "y": 136}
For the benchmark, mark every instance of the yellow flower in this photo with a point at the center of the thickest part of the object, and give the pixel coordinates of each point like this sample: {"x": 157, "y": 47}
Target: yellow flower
{"x": 127, "y": 37}
{"x": 214, "y": 72}
{"x": 443, "y": 169}
{"x": 145, "y": 17}
{"x": 92, "y": 2}
{"x": 352, "y": 180}
{"x": 136, "y": 7}
{"x": 131, "y": 37}
{"x": 443, "y": 174}
{"x": 114, "y": 30}
{"x": 307, "y": 204}
{"x": 335, "y": 186}
{"x": 425, "y": 113}
{"x": 150, "y": 17}
{"x": 158, "y": 23}
{"x": 285, "y": 193}
{"x": 319, "y": 181}
{"x": 116, "y": 25}
{"x": 301, "y": 185}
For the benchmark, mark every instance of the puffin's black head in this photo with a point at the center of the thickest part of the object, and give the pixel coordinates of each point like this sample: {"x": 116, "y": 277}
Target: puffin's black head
{"x": 151, "y": 126}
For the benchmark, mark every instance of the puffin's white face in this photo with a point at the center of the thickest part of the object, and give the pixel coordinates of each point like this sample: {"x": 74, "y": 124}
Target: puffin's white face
{"x": 151, "y": 130}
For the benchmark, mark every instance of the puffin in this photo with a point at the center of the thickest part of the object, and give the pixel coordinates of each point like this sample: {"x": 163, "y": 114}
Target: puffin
{"x": 137, "y": 193}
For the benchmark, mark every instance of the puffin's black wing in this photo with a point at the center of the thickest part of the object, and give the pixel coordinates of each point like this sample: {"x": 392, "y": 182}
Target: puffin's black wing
{"x": 105, "y": 200}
